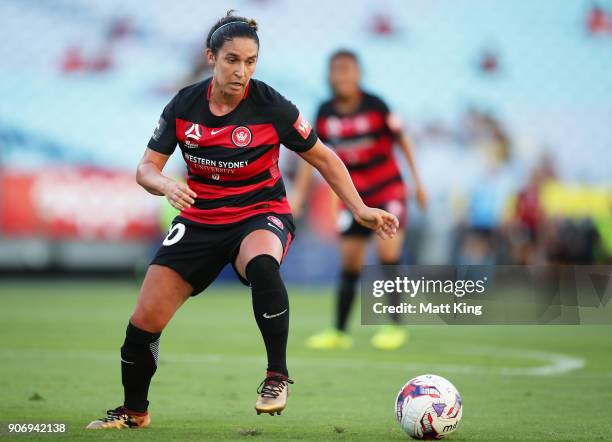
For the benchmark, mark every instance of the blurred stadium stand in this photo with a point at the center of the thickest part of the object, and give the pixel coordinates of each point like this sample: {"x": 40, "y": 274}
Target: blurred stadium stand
{"x": 486, "y": 88}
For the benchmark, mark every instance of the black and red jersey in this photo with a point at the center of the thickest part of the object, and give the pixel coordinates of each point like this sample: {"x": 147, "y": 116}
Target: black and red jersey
{"x": 232, "y": 160}
{"x": 364, "y": 142}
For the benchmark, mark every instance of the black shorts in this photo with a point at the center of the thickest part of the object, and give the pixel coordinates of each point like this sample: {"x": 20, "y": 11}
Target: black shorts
{"x": 348, "y": 226}
{"x": 199, "y": 252}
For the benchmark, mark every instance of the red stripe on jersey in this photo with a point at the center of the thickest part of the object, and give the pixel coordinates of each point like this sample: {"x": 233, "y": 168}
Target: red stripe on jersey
{"x": 394, "y": 191}
{"x": 351, "y": 125}
{"x": 228, "y": 215}
{"x": 363, "y": 179}
{"x": 268, "y": 160}
{"x": 366, "y": 179}
{"x": 322, "y": 130}
{"x": 210, "y": 191}
{"x": 364, "y": 153}
{"x": 197, "y": 135}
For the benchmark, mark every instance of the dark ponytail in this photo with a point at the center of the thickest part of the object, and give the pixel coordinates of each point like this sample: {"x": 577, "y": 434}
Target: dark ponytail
{"x": 228, "y": 28}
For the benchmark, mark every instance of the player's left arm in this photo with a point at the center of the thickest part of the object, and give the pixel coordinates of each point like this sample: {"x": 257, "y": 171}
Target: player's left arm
{"x": 296, "y": 134}
{"x": 333, "y": 170}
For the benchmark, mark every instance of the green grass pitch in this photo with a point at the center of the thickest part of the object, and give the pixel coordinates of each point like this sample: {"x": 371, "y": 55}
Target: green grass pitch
{"x": 61, "y": 341}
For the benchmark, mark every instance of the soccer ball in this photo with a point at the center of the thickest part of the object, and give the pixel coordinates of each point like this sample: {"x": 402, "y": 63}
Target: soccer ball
{"x": 428, "y": 407}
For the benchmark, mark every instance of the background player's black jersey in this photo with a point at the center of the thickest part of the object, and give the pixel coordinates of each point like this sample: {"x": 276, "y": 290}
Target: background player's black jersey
{"x": 232, "y": 160}
{"x": 364, "y": 142}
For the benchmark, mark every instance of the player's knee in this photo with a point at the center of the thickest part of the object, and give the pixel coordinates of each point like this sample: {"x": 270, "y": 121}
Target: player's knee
{"x": 148, "y": 321}
{"x": 263, "y": 271}
{"x": 389, "y": 256}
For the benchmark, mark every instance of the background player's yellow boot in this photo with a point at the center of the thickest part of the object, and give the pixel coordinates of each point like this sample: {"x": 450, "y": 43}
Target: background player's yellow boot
{"x": 120, "y": 418}
{"x": 273, "y": 392}
{"x": 390, "y": 337}
{"x": 330, "y": 339}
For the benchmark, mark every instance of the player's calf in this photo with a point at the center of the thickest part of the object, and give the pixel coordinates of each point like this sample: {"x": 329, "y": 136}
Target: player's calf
{"x": 139, "y": 355}
{"x": 271, "y": 309}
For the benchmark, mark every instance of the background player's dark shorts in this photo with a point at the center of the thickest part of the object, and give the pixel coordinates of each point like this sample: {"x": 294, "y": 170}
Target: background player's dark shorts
{"x": 199, "y": 252}
{"x": 348, "y": 226}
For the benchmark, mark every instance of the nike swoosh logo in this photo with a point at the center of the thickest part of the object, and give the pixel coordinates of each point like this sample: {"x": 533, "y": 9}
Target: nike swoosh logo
{"x": 267, "y": 316}
{"x": 127, "y": 362}
{"x": 272, "y": 225}
{"x": 216, "y": 131}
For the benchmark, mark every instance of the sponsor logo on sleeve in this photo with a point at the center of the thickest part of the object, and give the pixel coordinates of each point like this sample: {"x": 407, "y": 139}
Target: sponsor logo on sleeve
{"x": 302, "y": 126}
{"x": 159, "y": 129}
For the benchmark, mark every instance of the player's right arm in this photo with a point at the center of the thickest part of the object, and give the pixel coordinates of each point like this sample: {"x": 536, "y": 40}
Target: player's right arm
{"x": 161, "y": 145}
{"x": 149, "y": 175}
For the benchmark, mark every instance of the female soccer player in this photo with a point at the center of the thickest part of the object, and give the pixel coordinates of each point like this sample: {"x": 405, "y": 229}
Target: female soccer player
{"x": 233, "y": 210}
{"x": 362, "y": 130}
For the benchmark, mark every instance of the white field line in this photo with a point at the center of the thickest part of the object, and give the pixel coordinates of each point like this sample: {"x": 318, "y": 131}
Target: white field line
{"x": 553, "y": 363}
{"x": 556, "y": 363}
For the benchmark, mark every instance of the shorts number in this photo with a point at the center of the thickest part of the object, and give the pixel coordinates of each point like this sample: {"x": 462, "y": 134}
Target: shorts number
{"x": 175, "y": 234}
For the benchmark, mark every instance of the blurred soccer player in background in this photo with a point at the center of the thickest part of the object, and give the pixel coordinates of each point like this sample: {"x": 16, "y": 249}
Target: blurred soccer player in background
{"x": 361, "y": 129}
{"x": 233, "y": 211}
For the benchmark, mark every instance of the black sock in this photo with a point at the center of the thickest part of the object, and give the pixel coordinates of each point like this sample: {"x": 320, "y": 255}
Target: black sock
{"x": 394, "y": 297}
{"x": 271, "y": 308}
{"x": 138, "y": 364}
{"x": 345, "y": 296}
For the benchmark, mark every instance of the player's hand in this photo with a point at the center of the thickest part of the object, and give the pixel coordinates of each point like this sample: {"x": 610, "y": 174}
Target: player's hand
{"x": 383, "y": 223}
{"x": 421, "y": 197}
{"x": 179, "y": 195}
